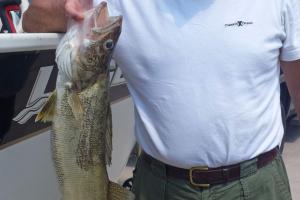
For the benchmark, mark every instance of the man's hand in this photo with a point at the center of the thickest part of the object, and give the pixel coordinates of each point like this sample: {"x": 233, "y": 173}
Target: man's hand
{"x": 75, "y": 8}
{"x": 291, "y": 72}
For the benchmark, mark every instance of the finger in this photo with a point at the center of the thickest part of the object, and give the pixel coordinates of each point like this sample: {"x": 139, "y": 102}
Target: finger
{"x": 75, "y": 11}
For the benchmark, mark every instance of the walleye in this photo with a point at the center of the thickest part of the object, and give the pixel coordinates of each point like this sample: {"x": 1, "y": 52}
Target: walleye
{"x": 82, "y": 131}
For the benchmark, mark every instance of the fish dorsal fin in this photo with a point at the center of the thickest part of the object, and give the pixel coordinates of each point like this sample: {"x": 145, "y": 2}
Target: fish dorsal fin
{"x": 76, "y": 105}
{"x": 108, "y": 137}
{"x": 117, "y": 192}
{"x": 48, "y": 111}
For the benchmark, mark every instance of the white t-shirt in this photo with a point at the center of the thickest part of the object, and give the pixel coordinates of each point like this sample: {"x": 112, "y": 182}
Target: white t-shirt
{"x": 204, "y": 75}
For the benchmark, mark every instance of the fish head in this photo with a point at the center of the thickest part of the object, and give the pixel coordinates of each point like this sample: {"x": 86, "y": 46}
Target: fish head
{"x": 95, "y": 52}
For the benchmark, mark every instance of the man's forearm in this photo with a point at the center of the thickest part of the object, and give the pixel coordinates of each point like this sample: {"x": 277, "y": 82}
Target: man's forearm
{"x": 45, "y": 16}
{"x": 52, "y": 15}
{"x": 291, "y": 72}
{"x": 296, "y": 101}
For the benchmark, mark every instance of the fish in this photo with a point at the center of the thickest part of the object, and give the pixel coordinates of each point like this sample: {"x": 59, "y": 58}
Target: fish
{"x": 79, "y": 108}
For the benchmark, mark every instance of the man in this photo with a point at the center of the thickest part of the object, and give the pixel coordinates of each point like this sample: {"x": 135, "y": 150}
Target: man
{"x": 204, "y": 79}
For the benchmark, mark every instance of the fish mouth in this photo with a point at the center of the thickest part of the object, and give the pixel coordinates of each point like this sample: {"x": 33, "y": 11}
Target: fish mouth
{"x": 102, "y": 21}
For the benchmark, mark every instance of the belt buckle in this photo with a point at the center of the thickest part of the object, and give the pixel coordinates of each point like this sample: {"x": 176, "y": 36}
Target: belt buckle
{"x": 203, "y": 185}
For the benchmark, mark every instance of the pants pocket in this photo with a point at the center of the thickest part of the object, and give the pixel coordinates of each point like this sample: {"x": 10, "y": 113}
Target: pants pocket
{"x": 135, "y": 178}
{"x": 268, "y": 183}
{"x": 147, "y": 185}
{"x": 281, "y": 179}
{"x": 230, "y": 191}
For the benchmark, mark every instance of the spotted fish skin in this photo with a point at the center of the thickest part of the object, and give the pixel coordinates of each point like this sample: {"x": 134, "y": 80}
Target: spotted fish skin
{"x": 81, "y": 150}
{"x": 81, "y": 139}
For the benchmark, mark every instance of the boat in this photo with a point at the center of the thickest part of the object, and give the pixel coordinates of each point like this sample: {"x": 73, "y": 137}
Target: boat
{"x": 27, "y": 76}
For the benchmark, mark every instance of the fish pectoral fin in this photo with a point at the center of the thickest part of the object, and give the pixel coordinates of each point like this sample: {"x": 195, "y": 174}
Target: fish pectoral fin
{"x": 48, "y": 111}
{"x": 76, "y": 105}
{"x": 117, "y": 192}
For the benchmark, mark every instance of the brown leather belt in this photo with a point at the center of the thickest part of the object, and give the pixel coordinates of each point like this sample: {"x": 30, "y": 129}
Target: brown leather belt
{"x": 206, "y": 177}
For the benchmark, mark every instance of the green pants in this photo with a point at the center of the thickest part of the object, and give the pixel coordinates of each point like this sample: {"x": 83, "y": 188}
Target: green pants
{"x": 268, "y": 183}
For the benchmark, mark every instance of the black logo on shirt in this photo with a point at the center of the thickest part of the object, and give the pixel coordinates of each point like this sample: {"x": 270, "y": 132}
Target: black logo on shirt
{"x": 239, "y": 23}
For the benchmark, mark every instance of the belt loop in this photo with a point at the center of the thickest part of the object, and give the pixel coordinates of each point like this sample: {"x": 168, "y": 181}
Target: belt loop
{"x": 225, "y": 174}
{"x": 158, "y": 168}
{"x": 248, "y": 167}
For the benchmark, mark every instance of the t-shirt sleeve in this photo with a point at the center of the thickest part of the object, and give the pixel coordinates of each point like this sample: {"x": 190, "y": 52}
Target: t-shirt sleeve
{"x": 113, "y": 6}
{"x": 291, "y": 21}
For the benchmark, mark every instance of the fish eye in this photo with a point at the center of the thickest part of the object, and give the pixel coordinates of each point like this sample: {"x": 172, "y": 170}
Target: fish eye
{"x": 108, "y": 44}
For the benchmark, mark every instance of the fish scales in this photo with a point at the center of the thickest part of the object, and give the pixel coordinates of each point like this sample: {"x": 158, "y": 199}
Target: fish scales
{"x": 81, "y": 139}
{"x": 70, "y": 140}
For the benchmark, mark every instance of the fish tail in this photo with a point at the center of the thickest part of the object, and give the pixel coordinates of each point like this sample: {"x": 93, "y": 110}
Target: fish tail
{"x": 48, "y": 111}
{"x": 117, "y": 192}
{"x": 76, "y": 105}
